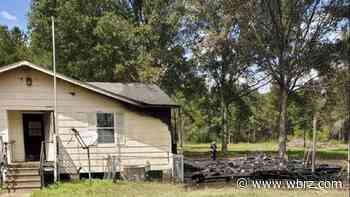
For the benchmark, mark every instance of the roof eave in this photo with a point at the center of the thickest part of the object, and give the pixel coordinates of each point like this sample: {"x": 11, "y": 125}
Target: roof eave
{"x": 86, "y": 85}
{"x": 162, "y": 106}
{"x": 71, "y": 80}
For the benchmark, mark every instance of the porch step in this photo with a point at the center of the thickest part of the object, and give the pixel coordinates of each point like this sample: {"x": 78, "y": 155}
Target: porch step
{"x": 23, "y": 171}
{"x": 24, "y": 179}
{"x": 11, "y": 186}
{"x": 23, "y": 183}
{"x": 21, "y": 191}
{"x": 33, "y": 164}
{"x": 23, "y": 175}
{"x": 22, "y": 188}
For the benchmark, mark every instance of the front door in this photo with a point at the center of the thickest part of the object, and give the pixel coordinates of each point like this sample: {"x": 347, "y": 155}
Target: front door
{"x": 33, "y": 127}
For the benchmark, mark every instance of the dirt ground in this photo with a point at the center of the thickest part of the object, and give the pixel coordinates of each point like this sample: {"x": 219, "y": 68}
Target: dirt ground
{"x": 16, "y": 194}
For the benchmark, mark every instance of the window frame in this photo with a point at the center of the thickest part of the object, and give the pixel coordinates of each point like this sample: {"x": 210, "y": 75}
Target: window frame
{"x": 114, "y": 128}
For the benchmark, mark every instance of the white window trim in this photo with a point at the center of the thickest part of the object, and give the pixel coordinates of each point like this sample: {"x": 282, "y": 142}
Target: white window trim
{"x": 99, "y": 144}
{"x": 116, "y": 131}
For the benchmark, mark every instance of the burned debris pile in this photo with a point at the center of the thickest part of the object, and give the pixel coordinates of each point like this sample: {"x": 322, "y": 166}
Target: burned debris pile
{"x": 257, "y": 167}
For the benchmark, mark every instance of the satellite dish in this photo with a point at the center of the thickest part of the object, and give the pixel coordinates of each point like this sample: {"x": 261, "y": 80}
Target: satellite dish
{"x": 89, "y": 136}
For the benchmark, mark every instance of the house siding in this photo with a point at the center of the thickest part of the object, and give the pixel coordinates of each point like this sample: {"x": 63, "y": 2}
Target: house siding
{"x": 16, "y": 135}
{"x": 147, "y": 138}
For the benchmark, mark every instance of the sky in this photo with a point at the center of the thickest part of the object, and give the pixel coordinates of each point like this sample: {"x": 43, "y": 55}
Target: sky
{"x": 14, "y": 13}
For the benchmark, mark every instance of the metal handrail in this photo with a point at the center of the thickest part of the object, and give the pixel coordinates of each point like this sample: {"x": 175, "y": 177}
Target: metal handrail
{"x": 4, "y": 156}
{"x": 3, "y": 161}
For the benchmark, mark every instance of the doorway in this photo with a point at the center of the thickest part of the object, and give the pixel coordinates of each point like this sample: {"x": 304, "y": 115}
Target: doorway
{"x": 33, "y": 128}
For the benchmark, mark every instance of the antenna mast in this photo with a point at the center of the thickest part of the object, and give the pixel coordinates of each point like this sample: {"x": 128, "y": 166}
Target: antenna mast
{"x": 56, "y": 174}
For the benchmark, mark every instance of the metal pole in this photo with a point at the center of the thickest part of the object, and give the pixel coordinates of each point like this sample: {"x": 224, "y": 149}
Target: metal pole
{"x": 56, "y": 168}
{"x": 120, "y": 137}
{"x": 88, "y": 153}
{"x": 54, "y": 68}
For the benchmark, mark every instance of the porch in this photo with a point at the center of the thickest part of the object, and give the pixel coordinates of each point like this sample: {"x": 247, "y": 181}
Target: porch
{"x": 26, "y": 132}
{"x": 28, "y": 152}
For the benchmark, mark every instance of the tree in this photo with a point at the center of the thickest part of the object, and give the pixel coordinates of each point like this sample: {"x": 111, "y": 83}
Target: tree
{"x": 13, "y": 46}
{"x": 107, "y": 40}
{"x": 217, "y": 52}
{"x": 190, "y": 92}
{"x": 342, "y": 12}
{"x": 289, "y": 39}
{"x": 215, "y": 55}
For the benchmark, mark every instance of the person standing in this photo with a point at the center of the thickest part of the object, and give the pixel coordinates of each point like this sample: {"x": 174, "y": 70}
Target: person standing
{"x": 213, "y": 151}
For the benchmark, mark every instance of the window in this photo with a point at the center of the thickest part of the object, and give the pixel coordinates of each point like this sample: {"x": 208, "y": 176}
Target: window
{"x": 34, "y": 128}
{"x": 105, "y": 128}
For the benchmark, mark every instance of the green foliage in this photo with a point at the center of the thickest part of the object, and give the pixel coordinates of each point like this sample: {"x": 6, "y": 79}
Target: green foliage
{"x": 325, "y": 151}
{"x": 13, "y": 46}
{"x": 208, "y": 55}
{"x": 108, "y": 40}
{"x": 323, "y": 135}
{"x": 298, "y": 132}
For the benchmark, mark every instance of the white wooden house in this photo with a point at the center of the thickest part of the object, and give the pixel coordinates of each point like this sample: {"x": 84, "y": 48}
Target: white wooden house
{"x": 131, "y": 121}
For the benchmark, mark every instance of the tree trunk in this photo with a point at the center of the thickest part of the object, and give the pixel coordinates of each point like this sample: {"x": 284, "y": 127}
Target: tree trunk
{"x": 314, "y": 137}
{"x": 254, "y": 135}
{"x": 304, "y": 133}
{"x": 249, "y": 134}
{"x": 282, "y": 148}
{"x": 224, "y": 129}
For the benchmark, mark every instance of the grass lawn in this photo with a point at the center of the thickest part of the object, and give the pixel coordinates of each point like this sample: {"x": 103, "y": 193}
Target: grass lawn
{"x": 125, "y": 189}
{"x": 324, "y": 151}
{"x": 98, "y": 188}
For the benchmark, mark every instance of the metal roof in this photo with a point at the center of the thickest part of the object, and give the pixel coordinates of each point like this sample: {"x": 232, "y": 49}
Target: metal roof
{"x": 145, "y": 93}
